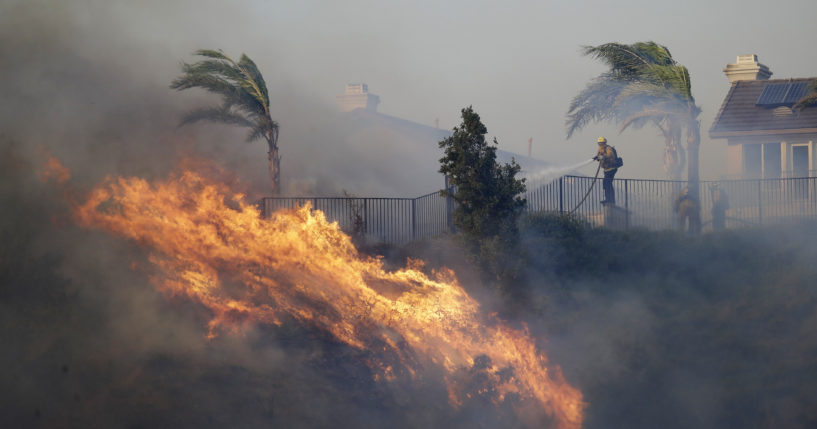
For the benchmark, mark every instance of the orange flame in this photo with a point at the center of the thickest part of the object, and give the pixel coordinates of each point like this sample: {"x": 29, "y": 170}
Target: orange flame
{"x": 215, "y": 249}
{"x": 53, "y": 169}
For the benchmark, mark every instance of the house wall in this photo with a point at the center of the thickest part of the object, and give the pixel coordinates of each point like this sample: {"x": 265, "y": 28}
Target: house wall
{"x": 739, "y": 154}
{"x": 735, "y": 159}
{"x": 789, "y": 146}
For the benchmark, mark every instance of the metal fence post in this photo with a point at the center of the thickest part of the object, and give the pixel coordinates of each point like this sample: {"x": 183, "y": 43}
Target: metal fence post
{"x": 449, "y": 207}
{"x": 365, "y": 216}
{"x": 759, "y": 205}
{"x": 261, "y": 205}
{"x": 414, "y": 219}
{"x": 626, "y": 204}
{"x": 449, "y": 215}
{"x": 561, "y": 194}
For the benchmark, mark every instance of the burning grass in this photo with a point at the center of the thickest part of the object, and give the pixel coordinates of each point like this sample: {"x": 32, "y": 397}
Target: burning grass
{"x": 214, "y": 249}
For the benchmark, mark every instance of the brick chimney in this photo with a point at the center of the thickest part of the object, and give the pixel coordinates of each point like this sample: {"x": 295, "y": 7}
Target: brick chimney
{"x": 746, "y": 68}
{"x": 357, "y": 97}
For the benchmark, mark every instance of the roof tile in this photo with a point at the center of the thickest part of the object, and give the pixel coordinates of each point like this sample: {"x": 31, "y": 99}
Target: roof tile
{"x": 739, "y": 113}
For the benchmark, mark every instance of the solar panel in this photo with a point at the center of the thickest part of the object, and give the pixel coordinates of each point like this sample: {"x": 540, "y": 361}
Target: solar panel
{"x": 773, "y": 94}
{"x": 796, "y": 91}
{"x": 780, "y": 94}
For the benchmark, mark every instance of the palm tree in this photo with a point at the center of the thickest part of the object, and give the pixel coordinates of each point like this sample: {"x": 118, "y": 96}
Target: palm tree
{"x": 245, "y": 100}
{"x": 644, "y": 85}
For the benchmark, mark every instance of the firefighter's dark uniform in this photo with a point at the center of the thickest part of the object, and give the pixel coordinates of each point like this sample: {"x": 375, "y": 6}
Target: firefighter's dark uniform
{"x": 686, "y": 206}
{"x": 607, "y": 157}
{"x": 720, "y": 203}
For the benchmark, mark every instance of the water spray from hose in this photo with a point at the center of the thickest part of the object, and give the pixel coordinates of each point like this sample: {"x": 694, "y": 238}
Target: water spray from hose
{"x": 549, "y": 174}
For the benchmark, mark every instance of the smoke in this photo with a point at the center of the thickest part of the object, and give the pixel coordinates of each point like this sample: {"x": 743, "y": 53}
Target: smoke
{"x": 89, "y": 80}
{"x": 661, "y": 330}
{"x": 656, "y": 330}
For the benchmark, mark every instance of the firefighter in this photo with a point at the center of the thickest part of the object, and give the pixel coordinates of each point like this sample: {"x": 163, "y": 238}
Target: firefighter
{"x": 610, "y": 162}
{"x": 720, "y": 203}
{"x": 686, "y": 207}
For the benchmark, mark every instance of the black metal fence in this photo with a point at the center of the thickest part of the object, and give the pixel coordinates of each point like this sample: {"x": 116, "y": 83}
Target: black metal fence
{"x": 650, "y": 203}
{"x": 640, "y": 203}
{"x": 389, "y": 220}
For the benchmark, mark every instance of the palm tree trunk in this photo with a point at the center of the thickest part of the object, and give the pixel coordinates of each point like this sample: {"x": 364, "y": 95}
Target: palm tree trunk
{"x": 274, "y": 170}
{"x": 673, "y": 159}
{"x": 693, "y": 144}
{"x": 274, "y": 163}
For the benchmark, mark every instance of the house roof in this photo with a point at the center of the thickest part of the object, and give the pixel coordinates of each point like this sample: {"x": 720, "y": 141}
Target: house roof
{"x": 368, "y": 153}
{"x": 747, "y": 110}
{"x": 425, "y": 135}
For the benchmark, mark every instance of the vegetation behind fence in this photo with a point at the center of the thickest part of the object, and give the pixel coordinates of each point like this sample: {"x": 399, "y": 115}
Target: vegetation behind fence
{"x": 645, "y": 203}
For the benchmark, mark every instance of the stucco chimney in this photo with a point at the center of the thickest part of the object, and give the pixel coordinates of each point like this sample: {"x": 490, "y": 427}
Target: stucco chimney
{"x": 357, "y": 97}
{"x": 747, "y": 68}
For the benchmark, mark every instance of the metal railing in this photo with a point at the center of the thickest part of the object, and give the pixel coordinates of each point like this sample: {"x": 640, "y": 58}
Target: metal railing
{"x": 389, "y": 220}
{"x": 787, "y": 174}
{"x": 640, "y": 203}
{"x": 650, "y": 203}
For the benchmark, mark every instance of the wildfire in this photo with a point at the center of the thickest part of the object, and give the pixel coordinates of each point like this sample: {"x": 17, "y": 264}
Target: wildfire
{"x": 52, "y": 168}
{"x": 215, "y": 249}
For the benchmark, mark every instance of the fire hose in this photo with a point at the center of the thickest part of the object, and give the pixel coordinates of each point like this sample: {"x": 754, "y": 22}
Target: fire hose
{"x": 595, "y": 179}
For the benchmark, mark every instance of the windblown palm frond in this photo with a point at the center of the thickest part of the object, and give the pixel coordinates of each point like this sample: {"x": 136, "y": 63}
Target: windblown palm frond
{"x": 645, "y": 94}
{"x": 260, "y": 130}
{"x": 245, "y": 98}
{"x": 216, "y": 114}
{"x": 657, "y": 114}
{"x": 629, "y": 61}
{"x": 595, "y": 103}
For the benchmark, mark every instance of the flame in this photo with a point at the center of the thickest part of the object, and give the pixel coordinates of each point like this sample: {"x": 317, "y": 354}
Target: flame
{"x": 215, "y": 249}
{"x": 52, "y": 169}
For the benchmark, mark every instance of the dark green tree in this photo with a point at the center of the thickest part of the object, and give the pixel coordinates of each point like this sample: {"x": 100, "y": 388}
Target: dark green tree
{"x": 643, "y": 85}
{"x": 487, "y": 194}
{"x": 245, "y": 100}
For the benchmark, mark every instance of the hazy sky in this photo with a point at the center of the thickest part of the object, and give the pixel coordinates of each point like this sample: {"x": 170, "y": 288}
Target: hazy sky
{"x": 517, "y": 62}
